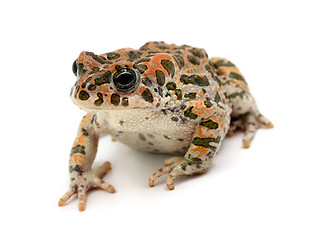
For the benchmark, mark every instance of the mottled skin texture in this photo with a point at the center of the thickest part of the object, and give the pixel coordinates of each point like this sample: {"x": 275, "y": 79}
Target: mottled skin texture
{"x": 161, "y": 98}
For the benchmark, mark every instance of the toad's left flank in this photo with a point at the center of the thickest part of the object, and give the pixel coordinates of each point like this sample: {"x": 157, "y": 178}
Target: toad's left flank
{"x": 161, "y": 98}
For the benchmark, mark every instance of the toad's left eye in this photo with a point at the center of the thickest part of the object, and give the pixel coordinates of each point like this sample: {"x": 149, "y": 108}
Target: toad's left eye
{"x": 75, "y": 67}
{"x": 125, "y": 80}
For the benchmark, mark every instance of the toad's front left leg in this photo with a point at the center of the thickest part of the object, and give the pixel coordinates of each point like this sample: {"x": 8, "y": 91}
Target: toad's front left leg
{"x": 205, "y": 143}
{"x": 82, "y": 176}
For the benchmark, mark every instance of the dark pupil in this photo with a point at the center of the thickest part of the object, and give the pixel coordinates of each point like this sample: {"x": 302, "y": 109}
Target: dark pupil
{"x": 74, "y": 67}
{"x": 124, "y": 79}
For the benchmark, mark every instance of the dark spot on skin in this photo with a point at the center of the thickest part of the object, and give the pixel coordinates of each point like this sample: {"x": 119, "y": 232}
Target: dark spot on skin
{"x": 76, "y": 168}
{"x": 194, "y": 79}
{"x": 209, "y": 124}
{"x": 78, "y": 149}
{"x": 195, "y": 160}
{"x": 180, "y": 139}
{"x": 196, "y": 52}
{"x": 193, "y": 60}
{"x": 146, "y": 81}
{"x": 183, "y": 107}
{"x": 147, "y": 59}
{"x": 237, "y": 76}
{"x": 151, "y": 136}
{"x": 150, "y": 143}
{"x": 99, "y": 101}
{"x": 125, "y": 102}
{"x": 205, "y": 142}
{"x": 83, "y": 95}
{"x": 144, "y": 47}
{"x": 175, "y": 119}
{"x": 97, "y": 58}
{"x": 217, "y": 98}
{"x": 156, "y": 150}
{"x": 171, "y": 86}
{"x": 184, "y": 166}
{"x": 167, "y": 137}
{"x": 133, "y": 55}
{"x": 163, "y": 47}
{"x": 164, "y": 111}
{"x": 140, "y": 67}
{"x": 92, "y": 87}
{"x": 158, "y": 105}
{"x": 208, "y": 104}
{"x": 223, "y": 63}
{"x": 160, "y": 76}
{"x": 84, "y": 132}
{"x": 188, "y": 113}
{"x": 103, "y": 78}
{"x": 142, "y": 137}
{"x": 113, "y": 55}
{"x": 160, "y": 91}
{"x": 121, "y": 122}
{"x": 118, "y": 67}
{"x": 178, "y": 93}
{"x": 179, "y": 60}
{"x": 169, "y": 66}
{"x": 147, "y": 95}
{"x": 85, "y": 82}
{"x": 115, "y": 99}
{"x": 203, "y": 90}
{"x": 191, "y": 95}
{"x": 94, "y": 70}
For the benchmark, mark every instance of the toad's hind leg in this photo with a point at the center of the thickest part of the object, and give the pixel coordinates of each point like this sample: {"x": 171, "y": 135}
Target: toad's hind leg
{"x": 244, "y": 109}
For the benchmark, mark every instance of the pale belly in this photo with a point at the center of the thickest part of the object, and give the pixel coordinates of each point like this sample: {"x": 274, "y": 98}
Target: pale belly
{"x": 149, "y": 131}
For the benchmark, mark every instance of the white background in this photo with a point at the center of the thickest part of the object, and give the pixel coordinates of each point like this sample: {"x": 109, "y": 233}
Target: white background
{"x": 265, "y": 192}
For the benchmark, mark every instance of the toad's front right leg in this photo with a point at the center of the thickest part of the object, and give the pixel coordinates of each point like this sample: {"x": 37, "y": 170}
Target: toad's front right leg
{"x": 82, "y": 176}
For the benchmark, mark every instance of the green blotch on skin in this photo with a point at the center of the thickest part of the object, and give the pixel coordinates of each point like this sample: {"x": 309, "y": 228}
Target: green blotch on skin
{"x": 179, "y": 60}
{"x": 142, "y": 137}
{"x": 175, "y": 119}
{"x": 236, "y": 94}
{"x": 205, "y": 142}
{"x": 147, "y": 59}
{"x": 190, "y": 95}
{"x": 147, "y": 95}
{"x": 97, "y": 58}
{"x": 99, "y": 101}
{"x": 223, "y": 63}
{"x": 195, "y": 160}
{"x": 217, "y": 98}
{"x": 92, "y": 87}
{"x": 194, "y": 79}
{"x": 237, "y": 76}
{"x": 133, "y": 55}
{"x": 113, "y": 55}
{"x": 196, "y": 52}
{"x": 83, "y": 95}
{"x": 140, "y": 67}
{"x": 146, "y": 81}
{"x": 209, "y": 124}
{"x": 171, "y": 86}
{"x": 178, "y": 93}
{"x": 208, "y": 104}
{"x": 188, "y": 113}
{"x": 84, "y": 132}
{"x": 193, "y": 60}
{"x": 115, "y": 99}
{"x": 78, "y": 149}
{"x": 184, "y": 166}
{"x": 160, "y": 76}
{"x": 169, "y": 66}
{"x": 125, "y": 102}
{"x": 103, "y": 78}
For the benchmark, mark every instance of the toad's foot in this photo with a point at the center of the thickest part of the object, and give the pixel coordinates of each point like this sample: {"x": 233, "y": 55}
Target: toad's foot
{"x": 82, "y": 182}
{"x": 174, "y": 167}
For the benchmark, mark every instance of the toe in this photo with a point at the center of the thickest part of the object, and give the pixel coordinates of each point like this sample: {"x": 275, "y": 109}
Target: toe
{"x": 67, "y": 195}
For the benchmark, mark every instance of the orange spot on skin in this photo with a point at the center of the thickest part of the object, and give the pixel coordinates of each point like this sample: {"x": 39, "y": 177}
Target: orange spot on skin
{"x": 76, "y": 159}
